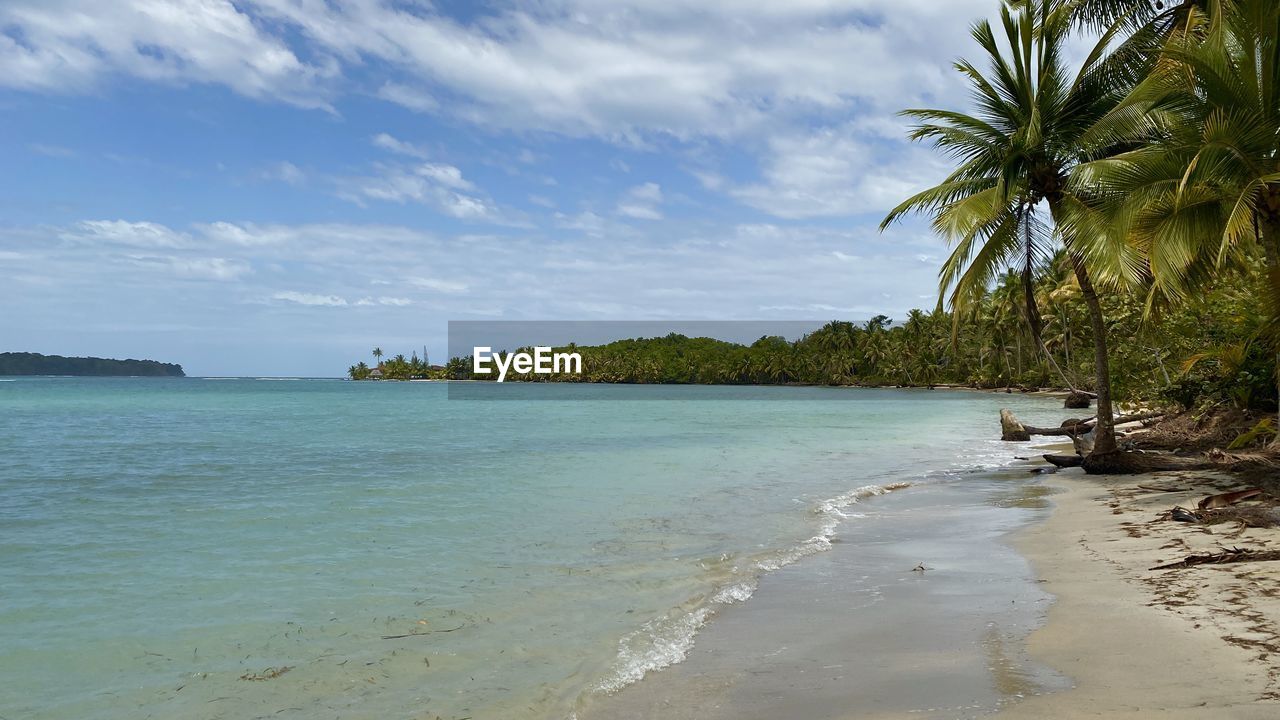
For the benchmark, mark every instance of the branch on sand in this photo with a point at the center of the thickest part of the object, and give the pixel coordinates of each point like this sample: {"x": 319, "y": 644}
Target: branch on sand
{"x": 1234, "y": 555}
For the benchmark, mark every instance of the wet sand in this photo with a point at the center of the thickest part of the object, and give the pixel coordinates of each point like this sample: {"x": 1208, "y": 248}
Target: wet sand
{"x": 1022, "y": 613}
{"x": 856, "y": 632}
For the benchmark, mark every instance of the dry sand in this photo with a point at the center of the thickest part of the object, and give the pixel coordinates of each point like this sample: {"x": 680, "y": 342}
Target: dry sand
{"x": 1202, "y": 642}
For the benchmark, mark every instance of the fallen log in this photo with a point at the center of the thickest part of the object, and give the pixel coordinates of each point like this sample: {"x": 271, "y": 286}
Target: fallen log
{"x": 1064, "y": 461}
{"x": 1134, "y": 463}
{"x": 1008, "y": 420}
{"x": 1010, "y": 429}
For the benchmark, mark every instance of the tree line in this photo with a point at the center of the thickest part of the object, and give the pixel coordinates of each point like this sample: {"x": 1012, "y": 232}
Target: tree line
{"x": 25, "y": 363}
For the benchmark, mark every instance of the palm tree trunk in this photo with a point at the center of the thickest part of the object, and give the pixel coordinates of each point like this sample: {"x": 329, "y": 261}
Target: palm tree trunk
{"x": 1104, "y": 442}
{"x": 1270, "y": 231}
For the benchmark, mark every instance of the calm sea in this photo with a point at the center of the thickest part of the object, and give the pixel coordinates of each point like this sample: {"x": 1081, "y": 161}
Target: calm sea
{"x": 206, "y": 548}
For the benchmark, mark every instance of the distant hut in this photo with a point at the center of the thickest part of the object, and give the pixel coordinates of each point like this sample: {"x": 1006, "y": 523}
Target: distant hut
{"x": 376, "y": 373}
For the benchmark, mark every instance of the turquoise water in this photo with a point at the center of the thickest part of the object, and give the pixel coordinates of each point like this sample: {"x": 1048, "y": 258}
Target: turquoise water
{"x": 168, "y": 545}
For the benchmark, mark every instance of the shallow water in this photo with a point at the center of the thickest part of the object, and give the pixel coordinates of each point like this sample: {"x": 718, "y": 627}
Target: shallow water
{"x": 161, "y": 539}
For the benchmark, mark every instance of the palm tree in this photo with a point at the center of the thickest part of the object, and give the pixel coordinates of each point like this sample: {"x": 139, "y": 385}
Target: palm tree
{"x": 377, "y": 357}
{"x": 1207, "y": 191}
{"x": 1035, "y": 124}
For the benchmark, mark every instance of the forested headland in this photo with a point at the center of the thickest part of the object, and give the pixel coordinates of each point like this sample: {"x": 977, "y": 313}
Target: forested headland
{"x": 24, "y": 363}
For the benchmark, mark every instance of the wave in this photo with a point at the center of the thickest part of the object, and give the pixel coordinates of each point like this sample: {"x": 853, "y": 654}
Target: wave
{"x": 667, "y": 640}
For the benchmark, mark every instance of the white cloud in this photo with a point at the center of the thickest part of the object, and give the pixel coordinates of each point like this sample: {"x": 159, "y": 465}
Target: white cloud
{"x": 70, "y": 45}
{"x": 787, "y": 81}
{"x": 436, "y": 185}
{"x": 444, "y": 286}
{"x": 123, "y": 232}
{"x": 621, "y": 69}
{"x": 51, "y": 150}
{"x": 641, "y": 202}
{"x": 195, "y": 268}
{"x": 285, "y": 172}
{"x": 225, "y": 232}
{"x": 391, "y": 301}
{"x": 387, "y": 142}
{"x": 409, "y": 97}
{"x": 586, "y": 222}
{"x": 310, "y": 299}
{"x": 833, "y": 172}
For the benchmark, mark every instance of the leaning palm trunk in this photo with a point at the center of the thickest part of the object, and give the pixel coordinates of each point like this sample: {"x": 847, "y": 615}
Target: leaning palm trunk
{"x": 1104, "y": 442}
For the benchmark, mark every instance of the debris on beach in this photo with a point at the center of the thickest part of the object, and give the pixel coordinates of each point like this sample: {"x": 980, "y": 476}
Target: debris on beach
{"x": 1225, "y": 507}
{"x": 268, "y": 674}
{"x": 1232, "y": 555}
{"x": 1226, "y": 499}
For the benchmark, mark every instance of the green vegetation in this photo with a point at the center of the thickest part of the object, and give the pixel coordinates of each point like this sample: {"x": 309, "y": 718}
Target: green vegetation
{"x": 37, "y": 364}
{"x": 1157, "y": 162}
{"x": 396, "y": 368}
{"x": 1204, "y": 350}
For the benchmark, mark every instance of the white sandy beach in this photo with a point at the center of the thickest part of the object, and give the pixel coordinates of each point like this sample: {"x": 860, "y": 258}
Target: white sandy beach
{"x": 1202, "y": 642}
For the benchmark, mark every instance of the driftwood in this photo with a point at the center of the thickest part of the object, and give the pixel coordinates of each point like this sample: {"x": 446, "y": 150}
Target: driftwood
{"x": 1233, "y": 555}
{"x": 1009, "y": 423}
{"x": 1010, "y": 429}
{"x": 1064, "y": 461}
{"x": 1133, "y": 463}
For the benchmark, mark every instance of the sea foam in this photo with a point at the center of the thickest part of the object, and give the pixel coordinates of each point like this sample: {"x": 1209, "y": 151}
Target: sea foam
{"x": 667, "y": 640}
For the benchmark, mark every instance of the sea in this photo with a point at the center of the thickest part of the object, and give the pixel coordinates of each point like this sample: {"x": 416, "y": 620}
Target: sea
{"x": 241, "y": 548}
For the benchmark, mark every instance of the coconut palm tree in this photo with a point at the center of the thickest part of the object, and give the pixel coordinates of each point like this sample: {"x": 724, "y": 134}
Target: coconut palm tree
{"x": 1206, "y": 192}
{"x": 377, "y": 356}
{"x": 1035, "y": 123}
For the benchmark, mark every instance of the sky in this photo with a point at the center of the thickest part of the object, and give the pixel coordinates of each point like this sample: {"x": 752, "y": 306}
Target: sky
{"x": 274, "y": 187}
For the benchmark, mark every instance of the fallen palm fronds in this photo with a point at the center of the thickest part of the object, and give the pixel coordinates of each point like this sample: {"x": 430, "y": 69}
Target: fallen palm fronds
{"x": 1234, "y": 555}
{"x": 1226, "y": 499}
{"x": 1247, "y": 517}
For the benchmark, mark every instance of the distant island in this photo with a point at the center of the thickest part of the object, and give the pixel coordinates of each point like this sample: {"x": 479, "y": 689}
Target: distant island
{"x": 22, "y": 363}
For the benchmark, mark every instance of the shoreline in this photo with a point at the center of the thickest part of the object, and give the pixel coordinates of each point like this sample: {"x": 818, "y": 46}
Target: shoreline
{"x": 856, "y": 632}
{"x": 1201, "y": 642}
{"x": 1109, "y": 638}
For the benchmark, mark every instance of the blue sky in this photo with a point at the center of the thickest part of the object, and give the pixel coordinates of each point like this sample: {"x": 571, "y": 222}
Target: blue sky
{"x": 273, "y": 187}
